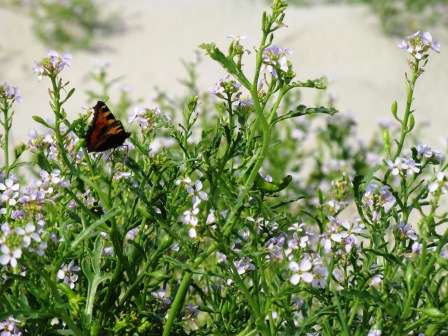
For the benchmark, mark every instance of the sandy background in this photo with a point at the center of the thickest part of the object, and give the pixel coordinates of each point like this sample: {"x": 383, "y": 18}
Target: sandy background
{"x": 344, "y": 41}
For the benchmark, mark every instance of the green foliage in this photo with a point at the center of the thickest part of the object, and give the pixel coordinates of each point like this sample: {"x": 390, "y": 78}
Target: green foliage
{"x": 72, "y": 24}
{"x": 215, "y": 224}
{"x": 398, "y": 17}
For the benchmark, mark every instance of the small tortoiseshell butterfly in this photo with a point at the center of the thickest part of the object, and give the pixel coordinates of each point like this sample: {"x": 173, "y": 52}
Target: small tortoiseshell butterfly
{"x": 105, "y": 132}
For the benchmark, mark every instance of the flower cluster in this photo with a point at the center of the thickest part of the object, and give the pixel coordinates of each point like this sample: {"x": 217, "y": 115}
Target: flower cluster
{"x": 342, "y": 234}
{"x": 309, "y": 270}
{"x": 149, "y": 119}
{"x": 52, "y": 64}
{"x": 404, "y": 231}
{"x": 378, "y": 198}
{"x": 425, "y": 152}
{"x": 68, "y": 275}
{"x": 191, "y": 216}
{"x": 8, "y": 327}
{"x": 224, "y": 88}
{"x": 8, "y": 92}
{"x": 405, "y": 166}
{"x": 274, "y": 60}
{"x": 418, "y": 44}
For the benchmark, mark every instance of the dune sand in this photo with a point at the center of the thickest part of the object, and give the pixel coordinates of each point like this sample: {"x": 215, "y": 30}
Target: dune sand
{"x": 344, "y": 41}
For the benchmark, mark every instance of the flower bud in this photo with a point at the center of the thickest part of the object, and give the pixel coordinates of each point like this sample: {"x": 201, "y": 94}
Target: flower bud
{"x": 394, "y": 109}
{"x": 159, "y": 275}
{"x": 432, "y": 312}
{"x": 165, "y": 242}
{"x": 410, "y": 275}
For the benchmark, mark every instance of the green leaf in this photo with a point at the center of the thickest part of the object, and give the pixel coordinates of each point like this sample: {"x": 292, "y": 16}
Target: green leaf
{"x": 389, "y": 256}
{"x": 218, "y": 56}
{"x": 41, "y": 121}
{"x": 362, "y": 295}
{"x": 302, "y": 110}
{"x": 87, "y": 232}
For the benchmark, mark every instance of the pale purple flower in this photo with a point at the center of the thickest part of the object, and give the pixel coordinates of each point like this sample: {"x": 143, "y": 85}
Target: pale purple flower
{"x": 444, "y": 251}
{"x": 223, "y": 86}
{"x": 190, "y": 218}
{"x": 40, "y": 250}
{"x": 243, "y": 265}
{"x": 439, "y": 183}
{"x": 160, "y": 296}
{"x": 53, "y": 62}
{"x": 149, "y": 119}
{"x": 6, "y": 229}
{"x": 120, "y": 175}
{"x": 198, "y": 195}
{"x": 211, "y": 218}
{"x": 139, "y": 116}
{"x": 183, "y": 181}
{"x": 424, "y": 150}
{"x": 297, "y": 227}
{"x": 109, "y": 251}
{"x": 39, "y": 70}
{"x": 192, "y": 311}
{"x": 296, "y": 242}
{"x": 67, "y": 273}
{"x": 405, "y": 231}
{"x": 10, "y": 191}
{"x": 59, "y": 62}
{"x": 376, "y": 279}
{"x": 8, "y": 327}
{"x": 387, "y": 199}
{"x": 221, "y": 258}
{"x": 374, "y": 332}
{"x": 418, "y": 44}
{"x": 350, "y": 230}
{"x": 428, "y": 41}
{"x": 410, "y": 166}
{"x": 237, "y": 38}
{"x": 395, "y": 166}
{"x": 10, "y": 92}
{"x": 320, "y": 275}
{"x": 132, "y": 234}
{"x": 28, "y": 234}
{"x": 326, "y": 241}
{"x": 10, "y": 257}
{"x": 416, "y": 248}
{"x": 301, "y": 271}
{"x": 260, "y": 222}
{"x": 274, "y": 58}
{"x": 275, "y": 248}
{"x": 218, "y": 89}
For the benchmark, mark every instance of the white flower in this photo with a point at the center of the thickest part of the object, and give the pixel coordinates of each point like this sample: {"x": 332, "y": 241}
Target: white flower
{"x": 9, "y": 257}
{"x": 10, "y": 191}
{"x": 28, "y": 233}
{"x": 198, "y": 195}
{"x": 376, "y": 279}
{"x": 301, "y": 271}
{"x": 395, "y": 166}
{"x": 320, "y": 277}
{"x": 439, "y": 183}
{"x": 67, "y": 273}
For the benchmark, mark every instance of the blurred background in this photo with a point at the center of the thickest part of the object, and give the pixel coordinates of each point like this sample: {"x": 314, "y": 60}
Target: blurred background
{"x": 142, "y": 43}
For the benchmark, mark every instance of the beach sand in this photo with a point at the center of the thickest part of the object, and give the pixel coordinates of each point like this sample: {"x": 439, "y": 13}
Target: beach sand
{"x": 344, "y": 42}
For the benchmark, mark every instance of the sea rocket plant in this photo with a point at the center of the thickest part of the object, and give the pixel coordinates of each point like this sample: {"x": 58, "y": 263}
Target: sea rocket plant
{"x": 212, "y": 231}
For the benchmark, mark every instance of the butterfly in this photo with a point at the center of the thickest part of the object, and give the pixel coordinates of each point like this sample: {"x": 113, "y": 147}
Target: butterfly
{"x": 105, "y": 132}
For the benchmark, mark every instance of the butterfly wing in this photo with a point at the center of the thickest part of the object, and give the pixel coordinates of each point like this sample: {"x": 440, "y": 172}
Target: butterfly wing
{"x": 105, "y": 132}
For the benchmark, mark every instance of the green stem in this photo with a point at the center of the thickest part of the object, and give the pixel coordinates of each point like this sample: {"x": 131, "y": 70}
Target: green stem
{"x": 6, "y": 125}
{"x": 410, "y": 93}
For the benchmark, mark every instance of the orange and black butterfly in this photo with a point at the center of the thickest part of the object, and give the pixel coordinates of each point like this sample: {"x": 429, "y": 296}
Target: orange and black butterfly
{"x": 105, "y": 132}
